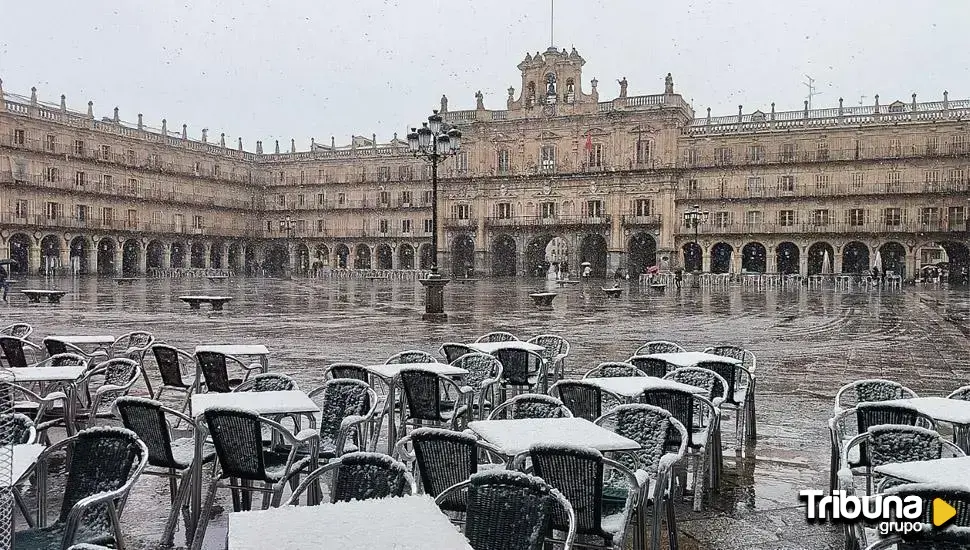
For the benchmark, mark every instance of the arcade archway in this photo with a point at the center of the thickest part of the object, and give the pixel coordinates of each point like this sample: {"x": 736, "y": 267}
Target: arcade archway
{"x": 721, "y": 258}
{"x": 787, "y": 259}
{"x": 641, "y": 253}
{"x": 754, "y": 258}
{"x": 503, "y": 256}
{"x": 462, "y": 255}
{"x": 592, "y": 249}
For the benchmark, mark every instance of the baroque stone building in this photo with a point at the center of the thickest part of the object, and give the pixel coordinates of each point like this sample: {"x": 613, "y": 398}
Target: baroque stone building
{"x": 561, "y": 175}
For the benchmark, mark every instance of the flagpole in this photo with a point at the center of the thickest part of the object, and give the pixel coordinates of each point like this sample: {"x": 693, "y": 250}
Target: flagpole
{"x": 552, "y": 18}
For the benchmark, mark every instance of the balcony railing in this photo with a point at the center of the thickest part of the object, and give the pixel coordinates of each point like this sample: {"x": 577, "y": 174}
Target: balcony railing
{"x": 714, "y": 160}
{"x": 460, "y": 222}
{"x": 129, "y": 226}
{"x": 539, "y": 221}
{"x": 897, "y": 226}
{"x": 651, "y": 220}
{"x": 811, "y": 189}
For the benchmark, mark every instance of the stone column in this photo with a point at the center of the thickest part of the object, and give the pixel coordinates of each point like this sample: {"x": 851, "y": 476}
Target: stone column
{"x": 224, "y": 257}
{"x": 207, "y": 250}
{"x": 142, "y": 259}
{"x": 911, "y": 259}
{"x": 64, "y": 257}
{"x": 395, "y": 260}
{"x": 167, "y": 256}
{"x": 520, "y": 246}
{"x": 837, "y": 262}
{"x": 736, "y": 258}
{"x": 33, "y": 258}
{"x": 117, "y": 259}
{"x": 293, "y": 259}
{"x": 614, "y": 260}
{"x": 706, "y": 260}
{"x": 803, "y": 261}
{"x": 92, "y": 260}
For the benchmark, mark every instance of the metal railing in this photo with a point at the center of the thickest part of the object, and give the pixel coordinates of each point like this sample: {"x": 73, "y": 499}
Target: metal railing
{"x": 530, "y": 221}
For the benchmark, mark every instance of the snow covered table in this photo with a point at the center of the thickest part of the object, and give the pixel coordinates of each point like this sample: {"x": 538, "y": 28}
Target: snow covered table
{"x": 68, "y": 375}
{"x": 515, "y": 436}
{"x": 24, "y": 458}
{"x": 631, "y": 387}
{"x": 402, "y": 523}
{"x": 492, "y": 347}
{"x": 943, "y": 471}
{"x": 941, "y": 409}
{"x": 261, "y": 402}
{"x": 240, "y": 350}
{"x": 692, "y": 358}
{"x": 81, "y": 340}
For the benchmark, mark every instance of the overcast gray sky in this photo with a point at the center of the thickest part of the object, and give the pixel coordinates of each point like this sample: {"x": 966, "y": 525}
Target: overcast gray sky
{"x": 319, "y": 68}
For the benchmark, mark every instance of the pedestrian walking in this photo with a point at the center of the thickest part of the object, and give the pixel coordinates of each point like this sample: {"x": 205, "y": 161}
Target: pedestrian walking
{"x": 4, "y": 282}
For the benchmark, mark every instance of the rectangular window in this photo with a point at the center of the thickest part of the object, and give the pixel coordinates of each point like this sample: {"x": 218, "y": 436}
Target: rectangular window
{"x": 384, "y": 173}
{"x": 280, "y": 199}
{"x": 19, "y": 137}
{"x": 644, "y": 152}
{"x": 892, "y": 217}
{"x": 405, "y": 199}
{"x": 461, "y": 162}
{"x": 363, "y": 173}
{"x": 954, "y": 177}
{"x": 50, "y": 174}
{"x": 79, "y": 147}
{"x": 722, "y": 155}
{"x": 131, "y": 186}
{"x": 722, "y": 219}
{"x": 692, "y": 188}
{"x": 929, "y": 215}
{"x": 301, "y": 199}
{"x": 20, "y": 209}
{"x": 425, "y": 172}
{"x": 594, "y": 209}
{"x": 53, "y": 210}
{"x": 786, "y": 184}
{"x": 320, "y": 226}
{"x": 504, "y": 161}
{"x": 932, "y": 180}
{"x": 856, "y": 217}
{"x": 463, "y": 211}
{"x": 384, "y": 198}
{"x": 217, "y": 170}
{"x": 547, "y": 210}
{"x": 594, "y": 158}
{"x": 301, "y": 227}
{"x": 156, "y": 217}
{"x": 547, "y": 159}
{"x": 130, "y": 156}
{"x": 81, "y": 212}
{"x": 132, "y": 218}
{"x": 503, "y": 210}
{"x": 932, "y": 145}
{"x": 641, "y": 207}
{"x": 405, "y": 173}
{"x": 820, "y": 217}
{"x": 893, "y": 182}
{"x": 821, "y": 182}
{"x": 958, "y": 144}
{"x": 895, "y": 148}
{"x": 50, "y": 143}
{"x": 197, "y": 222}
{"x": 956, "y": 218}
{"x": 756, "y": 187}
{"x": 107, "y": 215}
{"x": 405, "y": 226}
{"x": 857, "y": 150}
{"x": 858, "y": 180}
{"x": 105, "y": 152}
{"x": 341, "y": 199}
{"x": 786, "y": 218}
{"x": 428, "y": 197}
{"x": 320, "y": 199}
{"x": 756, "y": 153}
{"x": 788, "y": 152}
{"x": 80, "y": 179}
{"x": 382, "y": 226}
{"x": 822, "y": 150}
{"x": 269, "y": 226}
{"x": 153, "y": 160}
{"x": 428, "y": 226}
{"x": 690, "y": 157}
{"x": 753, "y": 218}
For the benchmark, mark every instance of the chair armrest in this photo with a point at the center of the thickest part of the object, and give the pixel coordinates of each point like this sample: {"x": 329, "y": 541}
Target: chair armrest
{"x": 668, "y": 461}
{"x": 307, "y": 434}
{"x": 466, "y": 390}
{"x": 717, "y": 401}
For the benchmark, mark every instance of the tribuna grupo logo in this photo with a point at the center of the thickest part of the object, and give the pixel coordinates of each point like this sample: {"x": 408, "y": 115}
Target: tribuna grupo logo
{"x": 894, "y": 514}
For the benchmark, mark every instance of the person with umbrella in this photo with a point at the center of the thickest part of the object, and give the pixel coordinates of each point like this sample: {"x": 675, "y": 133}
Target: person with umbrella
{"x": 4, "y": 282}
{"x": 587, "y": 269}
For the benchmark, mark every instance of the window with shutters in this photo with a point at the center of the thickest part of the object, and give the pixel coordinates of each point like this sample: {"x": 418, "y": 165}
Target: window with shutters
{"x": 547, "y": 158}
{"x": 462, "y": 211}
{"x": 822, "y": 150}
{"x": 132, "y": 220}
{"x": 956, "y": 218}
{"x": 131, "y": 186}
{"x": 321, "y": 199}
{"x": 50, "y": 143}
{"x": 107, "y": 215}
{"x": 106, "y": 183}
{"x": 594, "y": 209}
{"x": 197, "y": 222}
{"x": 81, "y": 212}
{"x": 788, "y": 152}
{"x": 754, "y": 218}
{"x": 382, "y": 226}
{"x": 503, "y": 210}
{"x": 931, "y": 179}
{"x": 894, "y": 182}
{"x": 756, "y": 187}
{"x": 932, "y": 145}
{"x": 958, "y": 144}
{"x": 820, "y": 217}
{"x": 79, "y": 147}
{"x": 692, "y": 187}
{"x": 821, "y": 182}
{"x": 504, "y": 161}
{"x": 19, "y": 137}
{"x": 384, "y": 198}
{"x": 320, "y": 226}
{"x": 405, "y": 199}
{"x": 895, "y": 148}
{"x": 384, "y": 173}
{"x": 786, "y": 184}
{"x": 929, "y": 215}
{"x": 723, "y": 156}
{"x": 594, "y": 158}
{"x": 690, "y": 157}
{"x": 756, "y": 153}
{"x": 786, "y": 218}
{"x": 856, "y": 217}
{"x": 954, "y": 177}
{"x": 405, "y": 173}
{"x": 858, "y": 180}
{"x": 722, "y": 219}
{"x": 644, "y": 152}
{"x": 641, "y": 207}
{"x": 51, "y": 175}
{"x": 547, "y": 210}
{"x": 53, "y": 210}
{"x": 20, "y": 209}
{"x": 405, "y": 226}
{"x": 461, "y": 162}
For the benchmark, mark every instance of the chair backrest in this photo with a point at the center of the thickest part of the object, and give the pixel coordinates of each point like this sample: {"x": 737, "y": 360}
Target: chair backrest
{"x": 13, "y": 351}
{"x": 714, "y": 383}
{"x": 453, "y": 350}
{"x": 896, "y": 443}
{"x": 422, "y": 393}
{"x": 509, "y": 510}
{"x": 354, "y": 371}
{"x": 363, "y": 476}
{"x": 411, "y": 356}
{"x": 577, "y": 473}
{"x": 16, "y": 429}
{"x": 101, "y": 459}
{"x": 651, "y": 366}
{"x": 443, "y": 458}
{"x": 64, "y": 360}
{"x": 237, "y": 438}
{"x": 652, "y": 427}
{"x": 735, "y": 376}
{"x": 339, "y": 399}
{"x": 518, "y": 365}
{"x": 659, "y": 346}
{"x": 55, "y": 346}
{"x": 962, "y": 393}
{"x": 169, "y": 365}
{"x": 747, "y": 357}
{"x": 117, "y": 372}
{"x": 19, "y": 330}
{"x": 215, "y": 371}
{"x": 690, "y": 409}
{"x": 554, "y": 345}
{"x": 583, "y": 399}
{"x": 957, "y": 496}
{"x": 497, "y": 336}
{"x": 870, "y": 390}
{"x": 613, "y": 369}
{"x": 482, "y": 368}
{"x": 868, "y": 415}
{"x": 146, "y": 418}
{"x": 132, "y": 345}
{"x": 268, "y": 381}
{"x": 531, "y": 405}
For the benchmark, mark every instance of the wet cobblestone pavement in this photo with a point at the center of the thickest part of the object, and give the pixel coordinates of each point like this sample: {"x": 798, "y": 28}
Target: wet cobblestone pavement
{"x": 808, "y": 344}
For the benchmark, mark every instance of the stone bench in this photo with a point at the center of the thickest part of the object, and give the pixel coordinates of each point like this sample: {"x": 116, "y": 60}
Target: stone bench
{"x": 53, "y": 296}
{"x": 543, "y": 299}
{"x": 196, "y": 301}
{"x": 564, "y": 282}
{"x": 613, "y": 292}
{"x": 125, "y": 280}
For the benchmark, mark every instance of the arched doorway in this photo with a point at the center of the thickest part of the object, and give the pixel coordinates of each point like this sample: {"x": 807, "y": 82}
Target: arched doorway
{"x": 893, "y": 257}
{"x": 277, "y": 260}
{"x": 20, "y": 253}
{"x": 557, "y": 253}
{"x": 754, "y": 258}
{"x": 215, "y": 255}
{"x": 251, "y": 259}
{"x": 233, "y": 256}
{"x": 641, "y": 253}
{"x": 958, "y": 260}
{"x": 178, "y": 254}
{"x": 536, "y": 264}
{"x": 198, "y": 255}
{"x": 362, "y": 257}
{"x": 405, "y": 256}
{"x": 855, "y": 257}
{"x": 693, "y": 257}
{"x": 787, "y": 258}
{"x": 385, "y": 258}
{"x": 592, "y": 249}
{"x": 321, "y": 256}
{"x": 817, "y": 253}
{"x": 721, "y": 258}
{"x": 463, "y": 255}
{"x": 131, "y": 257}
{"x": 342, "y": 253}
{"x": 156, "y": 254}
{"x": 79, "y": 255}
{"x": 50, "y": 254}
{"x": 425, "y": 256}
{"x": 503, "y": 256}
{"x": 106, "y": 256}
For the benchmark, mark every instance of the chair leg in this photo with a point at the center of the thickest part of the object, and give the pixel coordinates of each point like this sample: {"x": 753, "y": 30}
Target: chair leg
{"x": 24, "y": 509}
{"x": 184, "y": 484}
{"x": 173, "y": 485}
{"x": 671, "y": 526}
{"x": 210, "y": 498}
{"x": 700, "y": 470}
{"x": 116, "y": 526}
{"x": 148, "y": 383}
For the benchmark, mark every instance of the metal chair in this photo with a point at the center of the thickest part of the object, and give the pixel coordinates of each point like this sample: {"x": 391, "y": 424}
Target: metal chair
{"x": 961, "y": 434}
{"x": 484, "y": 377}
{"x": 347, "y": 370}
{"x": 510, "y": 510}
{"x": 175, "y": 367}
{"x": 659, "y": 346}
{"x": 360, "y": 476}
{"x": 347, "y": 408}
{"x": 118, "y": 376}
{"x": 531, "y": 405}
{"x": 102, "y": 465}
{"x": 215, "y": 370}
{"x": 56, "y": 347}
{"x": 44, "y": 411}
{"x": 411, "y": 356}
{"x": 870, "y": 390}
{"x": 521, "y": 370}
{"x": 424, "y": 397}
{"x": 497, "y": 336}
{"x": 739, "y": 396}
{"x": 613, "y": 369}
{"x": 650, "y": 366}
{"x": 168, "y": 456}
{"x": 15, "y": 351}
{"x": 555, "y": 351}
{"x": 18, "y": 429}
{"x": 584, "y": 399}
{"x": 453, "y": 350}
{"x": 18, "y": 330}
{"x": 267, "y": 381}
{"x": 134, "y": 346}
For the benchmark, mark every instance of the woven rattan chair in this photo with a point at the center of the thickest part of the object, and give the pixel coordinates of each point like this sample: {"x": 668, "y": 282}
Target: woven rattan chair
{"x": 347, "y": 370}
{"x": 584, "y": 399}
{"x": 360, "y": 476}
{"x": 18, "y": 429}
{"x": 411, "y": 356}
{"x": 267, "y": 381}
{"x": 426, "y": 400}
{"x": 56, "y": 347}
{"x": 700, "y": 417}
{"x": 868, "y": 391}
{"x": 44, "y": 411}
{"x": 739, "y": 396}
{"x": 960, "y": 431}
{"x": 18, "y": 330}
{"x": 443, "y": 458}
{"x": 453, "y": 350}
{"x": 168, "y": 456}
{"x": 508, "y": 510}
{"x": 852, "y": 422}
{"x": 954, "y": 538}
{"x": 579, "y": 474}
{"x": 862, "y": 534}
{"x": 215, "y": 370}
{"x": 531, "y": 405}
{"x": 19, "y": 352}
{"x": 659, "y": 346}
{"x": 497, "y": 336}
{"x": 484, "y": 377}
{"x": 237, "y": 437}
{"x": 177, "y": 371}
{"x": 522, "y": 370}
{"x": 613, "y": 369}
{"x": 347, "y": 408}
{"x": 555, "y": 352}
{"x": 650, "y": 427}
{"x": 134, "y": 346}
{"x": 117, "y": 378}
{"x": 651, "y": 366}
{"x": 102, "y": 464}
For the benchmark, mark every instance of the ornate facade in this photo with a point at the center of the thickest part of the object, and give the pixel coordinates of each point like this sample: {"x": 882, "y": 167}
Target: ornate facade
{"x": 559, "y": 176}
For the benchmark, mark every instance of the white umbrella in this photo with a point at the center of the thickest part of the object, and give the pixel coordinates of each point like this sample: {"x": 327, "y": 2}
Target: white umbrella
{"x": 826, "y": 263}
{"x": 877, "y": 261}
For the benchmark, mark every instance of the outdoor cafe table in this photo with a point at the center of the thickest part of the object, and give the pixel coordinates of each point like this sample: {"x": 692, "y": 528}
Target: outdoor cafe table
{"x": 941, "y": 409}
{"x": 24, "y": 458}
{"x": 388, "y": 372}
{"x": 244, "y": 350}
{"x": 947, "y": 471}
{"x": 630, "y": 387}
{"x": 399, "y": 523}
{"x": 492, "y": 347}
{"x": 95, "y": 341}
{"x": 69, "y": 375}
{"x": 692, "y": 358}
{"x": 512, "y": 437}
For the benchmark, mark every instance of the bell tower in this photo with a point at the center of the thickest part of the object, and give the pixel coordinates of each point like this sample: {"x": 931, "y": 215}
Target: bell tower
{"x": 551, "y": 84}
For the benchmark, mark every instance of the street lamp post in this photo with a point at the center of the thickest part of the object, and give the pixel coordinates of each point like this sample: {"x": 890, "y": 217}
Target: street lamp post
{"x": 434, "y": 142}
{"x": 693, "y": 218}
{"x": 286, "y": 227}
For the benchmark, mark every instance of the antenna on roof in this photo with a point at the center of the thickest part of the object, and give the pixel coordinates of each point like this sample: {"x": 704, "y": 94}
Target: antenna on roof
{"x": 811, "y": 90}
{"x": 552, "y": 18}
